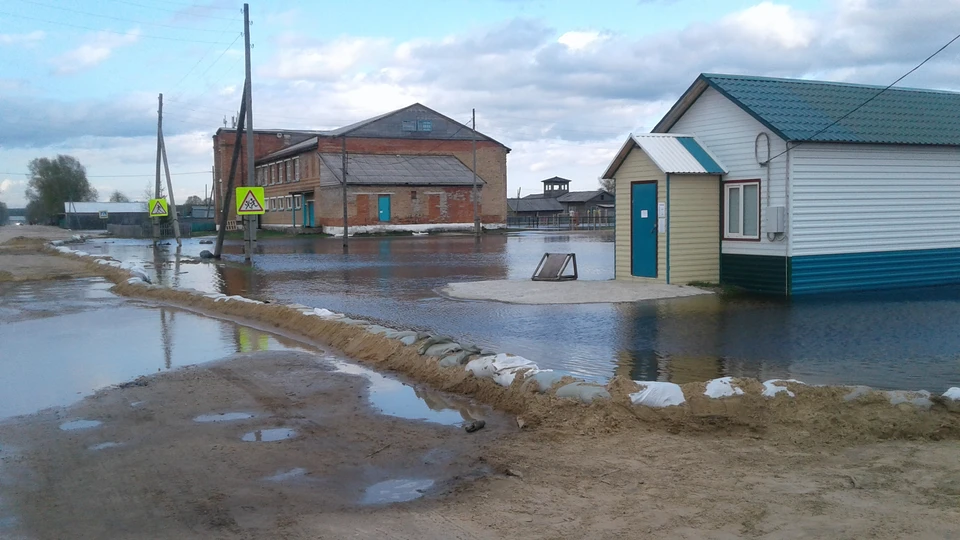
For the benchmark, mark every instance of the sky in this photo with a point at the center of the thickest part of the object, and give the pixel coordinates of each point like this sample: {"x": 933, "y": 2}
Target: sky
{"x": 560, "y": 82}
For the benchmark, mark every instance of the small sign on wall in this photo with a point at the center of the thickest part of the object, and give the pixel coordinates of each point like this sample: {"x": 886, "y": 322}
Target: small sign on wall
{"x": 662, "y": 226}
{"x": 644, "y": 214}
{"x": 661, "y": 210}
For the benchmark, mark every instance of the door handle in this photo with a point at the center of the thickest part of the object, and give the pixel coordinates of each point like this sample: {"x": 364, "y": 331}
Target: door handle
{"x": 653, "y": 230}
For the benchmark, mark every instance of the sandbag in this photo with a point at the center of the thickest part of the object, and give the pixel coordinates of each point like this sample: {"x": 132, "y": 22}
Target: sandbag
{"x": 434, "y": 340}
{"x": 456, "y": 359}
{"x": 541, "y": 381}
{"x": 658, "y": 394}
{"x": 583, "y": 391}
{"x": 722, "y": 387}
{"x": 442, "y": 349}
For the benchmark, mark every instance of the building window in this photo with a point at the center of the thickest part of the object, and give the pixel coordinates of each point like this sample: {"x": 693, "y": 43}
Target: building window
{"x": 289, "y": 202}
{"x": 289, "y": 171}
{"x": 296, "y": 170}
{"x": 741, "y": 216}
{"x": 425, "y": 125}
{"x": 408, "y": 125}
{"x": 413, "y": 195}
{"x": 297, "y": 201}
{"x": 273, "y": 173}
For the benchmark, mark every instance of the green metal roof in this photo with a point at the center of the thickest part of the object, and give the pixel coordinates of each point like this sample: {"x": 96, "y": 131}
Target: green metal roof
{"x": 798, "y": 110}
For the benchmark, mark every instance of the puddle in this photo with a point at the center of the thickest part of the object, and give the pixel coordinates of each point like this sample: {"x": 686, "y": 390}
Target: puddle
{"x": 396, "y": 491}
{"x": 80, "y": 424}
{"x": 103, "y": 446}
{"x": 287, "y": 475}
{"x": 270, "y": 435}
{"x": 223, "y": 417}
{"x": 393, "y": 398}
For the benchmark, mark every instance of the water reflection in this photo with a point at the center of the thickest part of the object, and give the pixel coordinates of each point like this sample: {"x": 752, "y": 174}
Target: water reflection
{"x": 902, "y": 339}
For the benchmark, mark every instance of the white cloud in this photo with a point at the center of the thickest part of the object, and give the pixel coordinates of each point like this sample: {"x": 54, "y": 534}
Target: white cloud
{"x": 579, "y": 40}
{"x": 771, "y": 24}
{"x": 22, "y": 39}
{"x": 94, "y": 52}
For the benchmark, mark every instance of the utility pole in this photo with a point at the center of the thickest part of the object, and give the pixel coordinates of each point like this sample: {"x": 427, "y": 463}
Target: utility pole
{"x": 473, "y": 138}
{"x": 226, "y": 197}
{"x": 156, "y": 191}
{"x": 166, "y": 169}
{"x": 250, "y": 235}
{"x": 343, "y": 171}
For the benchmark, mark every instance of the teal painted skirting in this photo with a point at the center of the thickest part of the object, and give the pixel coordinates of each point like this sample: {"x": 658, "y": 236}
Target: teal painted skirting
{"x": 873, "y": 271}
{"x": 765, "y": 274}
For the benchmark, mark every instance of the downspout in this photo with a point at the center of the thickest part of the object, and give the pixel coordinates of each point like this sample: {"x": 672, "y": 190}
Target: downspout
{"x": 668, "y": 228}
{"x": 786, "y": 192}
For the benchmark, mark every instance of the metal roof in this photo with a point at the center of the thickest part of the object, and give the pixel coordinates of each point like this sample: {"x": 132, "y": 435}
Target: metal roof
{"x": 671, "y": 153}
{"x": 803, "y": 110}
{"x": 95, "y": 207}
{"x": 290, "y": 150}
{"x": 534, "y": 205}
{"x": 581, "y": 196}
{"x": 386, "y": 169}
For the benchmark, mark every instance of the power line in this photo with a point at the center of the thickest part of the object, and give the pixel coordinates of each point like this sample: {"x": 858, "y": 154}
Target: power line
{"x": 118, "y": 18}
{"x": 189, "y": 5}
{"x": 180, "y": 10}
{"x": 119, "y": 175}
{"x": 110, "y": 31}
{"x": 860, "y": 106}
{"x": 208, "y": 67}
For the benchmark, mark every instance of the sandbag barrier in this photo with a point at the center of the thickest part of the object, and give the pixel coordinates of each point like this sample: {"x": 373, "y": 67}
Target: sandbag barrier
{"x": 543, "y": 396}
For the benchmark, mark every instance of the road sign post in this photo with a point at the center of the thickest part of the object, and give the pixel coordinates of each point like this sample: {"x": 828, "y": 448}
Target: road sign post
{"x": 158, "y": 208}
{"x": 250, "y": 201}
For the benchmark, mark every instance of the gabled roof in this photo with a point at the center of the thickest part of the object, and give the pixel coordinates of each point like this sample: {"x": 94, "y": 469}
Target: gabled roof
{"x": 290, "y": 150}
{"x": 534, "y": 205}
{"x": 413, "y": 170}
{"x": 556, "y": 180}
{"x": 803, "y": 110}
{"x": 671, "y": 153}
{"x": 582, "y": 196}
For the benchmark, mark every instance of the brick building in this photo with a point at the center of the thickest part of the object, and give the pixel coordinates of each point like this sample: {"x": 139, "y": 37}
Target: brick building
{"x": 408, "y": 167}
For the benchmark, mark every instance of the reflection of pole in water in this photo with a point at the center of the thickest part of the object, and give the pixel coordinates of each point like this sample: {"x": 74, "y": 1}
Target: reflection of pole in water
{"x": 158, "y": 263}
{"x": 166, "y": 338}
{"x": 176, "y": 268}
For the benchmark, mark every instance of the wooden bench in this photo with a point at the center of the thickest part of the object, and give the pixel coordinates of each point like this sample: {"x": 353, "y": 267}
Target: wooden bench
{"x": 553, "y": 266}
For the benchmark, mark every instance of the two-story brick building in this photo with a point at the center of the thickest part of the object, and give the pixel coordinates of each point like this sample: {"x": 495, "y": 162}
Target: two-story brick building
{"x": 412, "y": 166}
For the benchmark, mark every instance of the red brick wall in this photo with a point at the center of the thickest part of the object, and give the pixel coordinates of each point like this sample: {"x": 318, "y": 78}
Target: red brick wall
{"x": 263, "y": 143}
{"x": 432, "y": 205}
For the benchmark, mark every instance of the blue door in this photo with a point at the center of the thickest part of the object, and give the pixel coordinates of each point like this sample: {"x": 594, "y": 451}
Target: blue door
{"x": 643, "y": 229}
{"x": 308, "y": 213}
{"x": 384, "y": 207}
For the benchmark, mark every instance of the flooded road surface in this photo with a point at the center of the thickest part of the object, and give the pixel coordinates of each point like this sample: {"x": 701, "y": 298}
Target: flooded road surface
{"x": 63, "y": 340}
{"x": 896, "y": 340}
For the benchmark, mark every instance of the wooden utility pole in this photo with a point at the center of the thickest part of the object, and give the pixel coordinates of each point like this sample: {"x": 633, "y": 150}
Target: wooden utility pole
{"x": 476, "y": 196}
{"x": 343, "y": 173}
{"x": 227, "y": 198}
{"x": 156, "y": 191}
{"x": 166, "y": 170}
{"x": 250, "y": 222}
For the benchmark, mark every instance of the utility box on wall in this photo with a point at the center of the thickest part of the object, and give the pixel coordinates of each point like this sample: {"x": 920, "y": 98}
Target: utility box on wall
{"x": 776, "y": 219}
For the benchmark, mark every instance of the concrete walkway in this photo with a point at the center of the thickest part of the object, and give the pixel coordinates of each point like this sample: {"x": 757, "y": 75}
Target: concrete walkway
{"x": 518, "y": 291}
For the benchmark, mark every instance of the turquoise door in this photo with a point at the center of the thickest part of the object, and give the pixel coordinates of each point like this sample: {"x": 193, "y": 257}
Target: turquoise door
{"x": 643, "y": 229}
{"x": 308, "y": 214}
{"x": 384, "y": 207}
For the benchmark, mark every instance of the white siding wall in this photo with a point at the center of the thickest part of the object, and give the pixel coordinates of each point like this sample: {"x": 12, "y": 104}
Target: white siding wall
{"x": 862, "y": 198}
{"x": 729, "y": 133}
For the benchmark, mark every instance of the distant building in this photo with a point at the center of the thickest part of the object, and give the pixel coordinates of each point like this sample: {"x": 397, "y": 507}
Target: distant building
{"x": 97, "y": 215}
{"x": 558, "y": 199}
{"x": 407, "y": 167}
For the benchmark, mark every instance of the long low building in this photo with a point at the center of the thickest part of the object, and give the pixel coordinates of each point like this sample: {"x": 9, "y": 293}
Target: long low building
{"x": 412, "y": 166}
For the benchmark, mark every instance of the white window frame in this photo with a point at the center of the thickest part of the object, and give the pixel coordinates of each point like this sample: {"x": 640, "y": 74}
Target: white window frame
{"x": 273, "y": 172}
{"x": 727, "y": 187}
{"x": 289, "y": 202}
{"x": 298, "y": 201}
{"x": 288, "y": 170}
{"x": 296, "y": 169}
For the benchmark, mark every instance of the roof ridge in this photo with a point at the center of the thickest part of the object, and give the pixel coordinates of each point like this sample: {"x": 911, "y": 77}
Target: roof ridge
{"x": 712, "y": 76}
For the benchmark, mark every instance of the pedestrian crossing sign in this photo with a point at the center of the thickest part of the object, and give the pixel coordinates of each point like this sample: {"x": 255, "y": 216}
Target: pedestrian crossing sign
{"x": 250, "y": 201}
{"x": 158, "y": 207}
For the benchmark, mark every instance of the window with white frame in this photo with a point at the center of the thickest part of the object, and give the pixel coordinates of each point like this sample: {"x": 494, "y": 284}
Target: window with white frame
{"x": 289, "y": 168}
{"x": 296, "y": 170}
{"x": 289, "y": 202}
{"x": 273, "y": 173}
{"x": 297, "y": 201}
{"x": 741, "y": 216}
{"x": 272, "y": 204}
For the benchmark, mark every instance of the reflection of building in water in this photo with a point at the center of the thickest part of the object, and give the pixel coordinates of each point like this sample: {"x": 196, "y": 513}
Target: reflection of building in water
{"x": 384, "y": 263}
{"x": 438, "y": 402}
{"x": 697, "y": 339}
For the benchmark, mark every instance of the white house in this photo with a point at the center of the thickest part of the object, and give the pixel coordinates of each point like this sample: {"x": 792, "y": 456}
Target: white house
{"x": 792, "y": 186}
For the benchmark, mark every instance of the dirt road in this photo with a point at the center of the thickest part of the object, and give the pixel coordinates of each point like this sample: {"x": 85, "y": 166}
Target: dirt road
{"x": 170, "y": 476}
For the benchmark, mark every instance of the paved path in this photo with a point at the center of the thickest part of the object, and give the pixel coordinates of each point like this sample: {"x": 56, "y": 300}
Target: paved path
{"x": 568, "y": 292}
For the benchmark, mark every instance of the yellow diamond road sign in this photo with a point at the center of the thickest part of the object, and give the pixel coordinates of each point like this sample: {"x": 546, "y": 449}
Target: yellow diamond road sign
{"x": 158, "y": 207}
{"x": 250, "y": 201}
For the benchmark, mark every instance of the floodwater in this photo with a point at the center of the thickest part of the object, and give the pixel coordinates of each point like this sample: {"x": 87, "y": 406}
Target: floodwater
{"x": 396, "y": 491}
{"x": 269, "y": 435}
{"x": 63, "y": 340}
{"x": 892, "y": 340}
